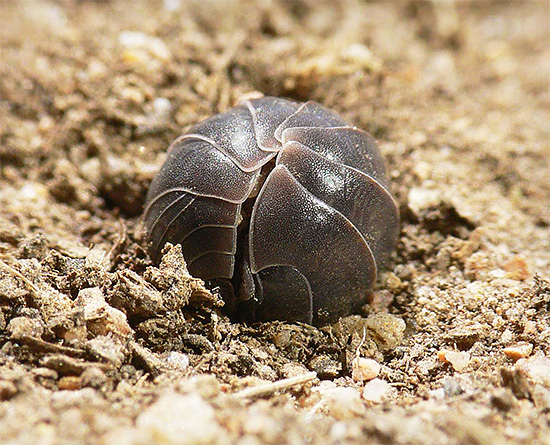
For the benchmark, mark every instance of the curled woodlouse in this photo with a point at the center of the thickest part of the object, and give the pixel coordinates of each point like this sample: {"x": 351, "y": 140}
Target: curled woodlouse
{"x": 285, "y": 201}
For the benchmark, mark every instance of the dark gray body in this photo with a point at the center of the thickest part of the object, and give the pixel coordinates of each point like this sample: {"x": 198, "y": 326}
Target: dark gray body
{"x": 321, "y": 226}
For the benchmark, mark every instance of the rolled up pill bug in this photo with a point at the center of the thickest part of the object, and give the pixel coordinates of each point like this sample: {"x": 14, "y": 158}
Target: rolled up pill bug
{"x": 283, "y": 203}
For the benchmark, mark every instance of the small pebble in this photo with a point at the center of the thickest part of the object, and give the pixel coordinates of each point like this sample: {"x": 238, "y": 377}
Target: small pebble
{"x": 70, "y": 383}
{"x": 518, "y": 351}
{"x": 140, "y": 41}
{"x": 364, "y": 369}
{"x": 516, "y": 268}
{"x": 438, "y": 394}
{"x": 361, "y": 55}
{"x": 393, "y": 282}
{"x": 7, "y": 390}
{"x": 338, "y": 431}
{"x": 343, "y": 403}
{"x": 421, "y": 199}
{"x": 506, "y": 336}
{"x": 293, "y": 369}
{"x": 465, "y": 336}
{"x": 452, "y": 388}
{"x": 177, "y": 361}
{"x": 458, "y": 359}
{"x": 376, "y": 390}
{"x": 386, "y": 330}
{"x": 20, "y": 327}
{"x": 536, "y": 368}
{"x": 45, "y": 373}
{"x": 262, "y": 425}
{"x": 179, "y": 419}
{"x": 92, "y": 377}
{"x": 162, "y": 107}
{"x": 102, "y": 319}
{"x": 206, "y": 385}
{"x": 109, "y": 348}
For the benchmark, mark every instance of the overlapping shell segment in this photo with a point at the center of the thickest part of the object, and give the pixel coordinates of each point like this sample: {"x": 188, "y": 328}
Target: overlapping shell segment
{"x": 321, "y": 226}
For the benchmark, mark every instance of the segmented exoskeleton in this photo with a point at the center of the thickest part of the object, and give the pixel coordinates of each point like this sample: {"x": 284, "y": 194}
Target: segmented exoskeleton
{"x": 286, "y": 200}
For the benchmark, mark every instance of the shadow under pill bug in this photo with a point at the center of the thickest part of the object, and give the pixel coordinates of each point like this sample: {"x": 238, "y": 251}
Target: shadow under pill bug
{"x": 283, "y": 205}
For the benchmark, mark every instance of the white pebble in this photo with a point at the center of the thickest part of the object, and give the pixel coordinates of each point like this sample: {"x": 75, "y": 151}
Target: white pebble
{"x": 162, "y": 106}
{"x": 343, "y": 403}
{"x": 139, "y": 40}
{"x": 376, "y": 390}
{"x": 364, "y": 369}
{"x": 421, "y": 198}
{"x": 537, "y": 369}
{"x": 458, "y": 359}
{"x": 177, "y": 361}
{"x": 179, "y": 419}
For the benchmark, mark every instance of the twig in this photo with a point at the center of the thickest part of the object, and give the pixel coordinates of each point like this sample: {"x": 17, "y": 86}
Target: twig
{"x": 39, "y": 345}
{"x": 270, "y": 388}
{"x": 71, "y": 366}
{"x": 19, "y": 275}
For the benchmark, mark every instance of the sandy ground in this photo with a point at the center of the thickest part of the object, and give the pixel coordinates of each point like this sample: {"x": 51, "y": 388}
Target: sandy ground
{"x": 99, "y": 346}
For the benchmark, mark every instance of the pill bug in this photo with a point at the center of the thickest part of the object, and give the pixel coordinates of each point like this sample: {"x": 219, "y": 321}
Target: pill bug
{"x": 283, "y": 203}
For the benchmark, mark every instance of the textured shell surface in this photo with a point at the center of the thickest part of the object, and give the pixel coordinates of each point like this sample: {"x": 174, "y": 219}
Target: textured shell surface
{"x": 283, "y": 202}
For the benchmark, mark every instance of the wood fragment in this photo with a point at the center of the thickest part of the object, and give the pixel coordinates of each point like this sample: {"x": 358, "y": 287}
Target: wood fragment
{"x": 270, "y": 388}
{"x": 71, "y": 366}
{"x": 39, "y": 345}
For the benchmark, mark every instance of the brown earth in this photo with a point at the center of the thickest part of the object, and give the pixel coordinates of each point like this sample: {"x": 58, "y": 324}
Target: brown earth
{"x": 98, "y": 346}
